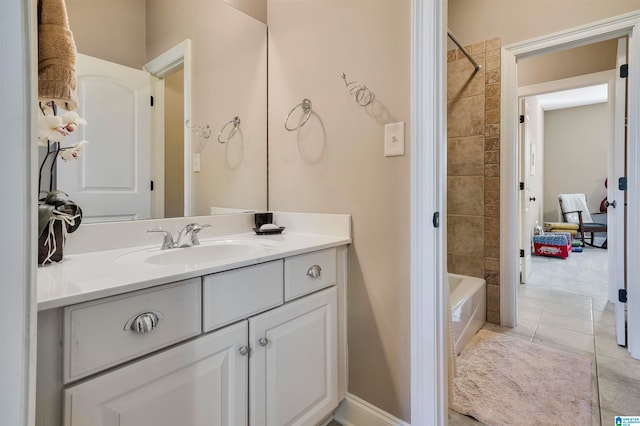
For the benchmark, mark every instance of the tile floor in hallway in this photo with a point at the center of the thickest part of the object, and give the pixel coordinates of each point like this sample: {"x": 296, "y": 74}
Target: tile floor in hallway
{"x": 581, "y": 324}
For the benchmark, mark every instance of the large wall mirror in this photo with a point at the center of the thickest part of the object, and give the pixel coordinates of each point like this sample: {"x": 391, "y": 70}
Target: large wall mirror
{"x": 208, "y": 123}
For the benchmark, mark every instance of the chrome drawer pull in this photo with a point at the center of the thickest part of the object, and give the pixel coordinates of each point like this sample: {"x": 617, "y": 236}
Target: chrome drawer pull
{"x": 144, "y": 322}
{"x": 263, "y": 342}
{"x": 314, "y": 271}
{"x": 244, "y": 350}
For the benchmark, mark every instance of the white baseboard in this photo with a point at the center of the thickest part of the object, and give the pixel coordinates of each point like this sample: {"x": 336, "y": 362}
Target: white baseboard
{"x": 354, "y": 411}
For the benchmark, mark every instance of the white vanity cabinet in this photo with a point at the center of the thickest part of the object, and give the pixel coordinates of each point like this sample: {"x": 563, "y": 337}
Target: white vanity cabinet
{"x": 268, "y": 349}
{"x": 199, "y": 383}
{"x": 293, "y": 368}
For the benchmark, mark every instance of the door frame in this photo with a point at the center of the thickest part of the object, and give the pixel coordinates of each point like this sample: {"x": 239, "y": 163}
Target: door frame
{"x": 619, "y": 26}
{"x": 18, "y": 169}
{"x": 429, "y": 370}
{"x": 172, "y": 60}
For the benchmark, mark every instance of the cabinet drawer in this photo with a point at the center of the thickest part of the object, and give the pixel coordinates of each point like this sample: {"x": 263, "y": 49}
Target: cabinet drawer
{"x": 234, "y": 295}
{"x": 101, "y": 334}
{"x": 309, "y": 272}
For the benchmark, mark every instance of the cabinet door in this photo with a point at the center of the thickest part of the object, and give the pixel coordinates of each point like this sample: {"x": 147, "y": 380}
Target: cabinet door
{"x": 293, "y": 367}
{"x": 202, "y": 382}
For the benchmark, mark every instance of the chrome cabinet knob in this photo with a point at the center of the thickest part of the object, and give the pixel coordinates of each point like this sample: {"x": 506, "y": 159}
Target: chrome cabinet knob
{"x": 244, "y": 350}
{"x": 610, "y": 204}
{"x": 263, "y": 342}
{"x": 314, "y": 271}
{"x": 144, "y": 322}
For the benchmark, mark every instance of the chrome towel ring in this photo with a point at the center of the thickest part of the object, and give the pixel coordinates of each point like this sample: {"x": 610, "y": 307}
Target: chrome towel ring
{"x": 306, "y": 109}
{"x": 361, "y": 93}
{"x": 236, "y": 125}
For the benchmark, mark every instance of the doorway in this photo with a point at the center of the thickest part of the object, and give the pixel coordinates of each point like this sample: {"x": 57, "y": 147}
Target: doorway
{"x": 615, "y": 27}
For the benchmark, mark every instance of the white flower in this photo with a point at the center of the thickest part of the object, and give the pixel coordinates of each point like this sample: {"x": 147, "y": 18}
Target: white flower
{"x": 52, "y": 128}
{"x": 49, "y": 128}
{"x": 73, "y": 152}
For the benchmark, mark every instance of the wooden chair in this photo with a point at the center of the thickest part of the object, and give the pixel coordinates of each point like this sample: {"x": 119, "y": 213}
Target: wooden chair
{"x": 574, "y": 210}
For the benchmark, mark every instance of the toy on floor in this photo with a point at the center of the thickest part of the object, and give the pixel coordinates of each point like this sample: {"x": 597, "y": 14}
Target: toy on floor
{"x": 555, "y": 244}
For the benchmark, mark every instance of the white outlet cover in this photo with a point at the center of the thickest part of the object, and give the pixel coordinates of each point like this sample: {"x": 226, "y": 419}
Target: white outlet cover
{"x": 394, "y": 139}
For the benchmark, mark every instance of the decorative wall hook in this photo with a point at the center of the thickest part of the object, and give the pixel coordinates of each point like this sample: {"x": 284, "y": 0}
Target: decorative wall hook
{"x": 361, "y": 93}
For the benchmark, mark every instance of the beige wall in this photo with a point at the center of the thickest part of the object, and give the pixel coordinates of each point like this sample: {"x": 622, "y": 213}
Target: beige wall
{"x": 568, "y": 63}
{"x": 336, "y": 164}
{"x": 576, "y": 142}
{"x": 174, "y": 145}
{"x": 255, "y": 8}
{"x": 112, "y": 30}
{"x": 518, "y": 20}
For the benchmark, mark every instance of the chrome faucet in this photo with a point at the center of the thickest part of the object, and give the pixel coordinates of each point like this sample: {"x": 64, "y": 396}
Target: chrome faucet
{"x": 189, "y": 232}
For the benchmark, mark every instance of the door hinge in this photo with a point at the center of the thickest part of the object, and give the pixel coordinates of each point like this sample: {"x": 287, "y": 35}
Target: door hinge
{"x": 521, "y": 252}
{"x": 622, "y": 184}
{"x": 522, "y": 119}
{"x": 624, "y": 71}
{"x": 151, "y": 100}
{"x": 436, "y": 220}
{"x": 151, "y": 186}
{"x": 622, "y": 295}
{"x": 521, "y": 186}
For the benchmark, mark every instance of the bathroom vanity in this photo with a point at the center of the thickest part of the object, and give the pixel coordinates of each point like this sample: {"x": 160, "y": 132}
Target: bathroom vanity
{"x": 240, "y": 330}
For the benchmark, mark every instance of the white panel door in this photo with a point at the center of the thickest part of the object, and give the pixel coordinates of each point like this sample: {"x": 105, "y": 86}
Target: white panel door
{"x": 111, "y": 180}
{"x": 617, "y": 208}
{"x": 200, "y": 383}
{"x": 525, "y": 194}
{"x": 294, "y": 370}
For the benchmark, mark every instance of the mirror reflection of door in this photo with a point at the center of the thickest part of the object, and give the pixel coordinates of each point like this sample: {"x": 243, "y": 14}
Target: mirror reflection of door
{"x": 174, "y": 144}
{"x": 110, "y": 181}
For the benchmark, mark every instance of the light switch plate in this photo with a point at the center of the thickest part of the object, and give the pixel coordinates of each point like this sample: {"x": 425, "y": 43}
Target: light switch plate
{"x": 394, "y": 139}
{"x": 195, "y": 165}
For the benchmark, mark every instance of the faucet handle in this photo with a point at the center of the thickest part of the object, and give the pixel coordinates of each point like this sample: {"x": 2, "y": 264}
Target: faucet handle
{"x": 167, "y": 242}
{"x": 195, "y": 228}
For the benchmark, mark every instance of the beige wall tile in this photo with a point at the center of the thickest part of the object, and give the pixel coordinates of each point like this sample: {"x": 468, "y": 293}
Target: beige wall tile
{"x": 492, "y": 76}
{"x": 491, "y": 250}
{"x": 465, "y": 195}
{"x": 491, "y": 224}
{"x": 492, "y": 59}
{"x": 492, "y": 117}
{"x": 491, "y": 237}
{"x": 465, "y": 265}
{"x": 491, "y": 197}
{"x": 492, "y": 170}
{"x": 492, "y": 131}
{"x": 465, "y": 235}
{"x": 492, "y": 104}
{"x": 494, "y": 43}
{"x": 492, "y": 157}
{"x": 492, "y": 184}
{"x": 465, "y": 156}
{"x": 462, "y": 81}
{"x": 492, "y": 144}
{"x": 451, "y": 55}
{"x": 491, "y": 264}
{"x": 493, "y": 90}
{"x": 493, "y": 316}
{"x": 492, "y": 210}
{"x": 466, "y": 117}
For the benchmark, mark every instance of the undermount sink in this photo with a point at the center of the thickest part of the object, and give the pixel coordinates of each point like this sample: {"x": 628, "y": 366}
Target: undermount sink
{"x": 210, "y": 251}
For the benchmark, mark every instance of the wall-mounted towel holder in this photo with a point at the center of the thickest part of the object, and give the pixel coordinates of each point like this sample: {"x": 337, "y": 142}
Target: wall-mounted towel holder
{"x": 235, "y": 121}
{"x": 361, "y": 93}
{"x": 306, "y": 110}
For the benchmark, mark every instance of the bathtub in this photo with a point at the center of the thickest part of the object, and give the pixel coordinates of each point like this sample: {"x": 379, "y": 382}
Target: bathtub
{"x": 468, "y": 298}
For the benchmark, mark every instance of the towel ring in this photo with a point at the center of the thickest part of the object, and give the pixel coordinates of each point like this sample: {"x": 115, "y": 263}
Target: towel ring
{"x": 306, "y": 108}
{"x": 236, "y": 125}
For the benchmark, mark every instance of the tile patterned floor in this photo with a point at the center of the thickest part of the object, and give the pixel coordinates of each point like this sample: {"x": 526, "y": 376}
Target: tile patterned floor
{"x": 570, "y": 312}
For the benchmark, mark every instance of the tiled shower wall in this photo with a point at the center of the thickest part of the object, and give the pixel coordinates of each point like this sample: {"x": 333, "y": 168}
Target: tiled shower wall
{"x": 473, "y": 181}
